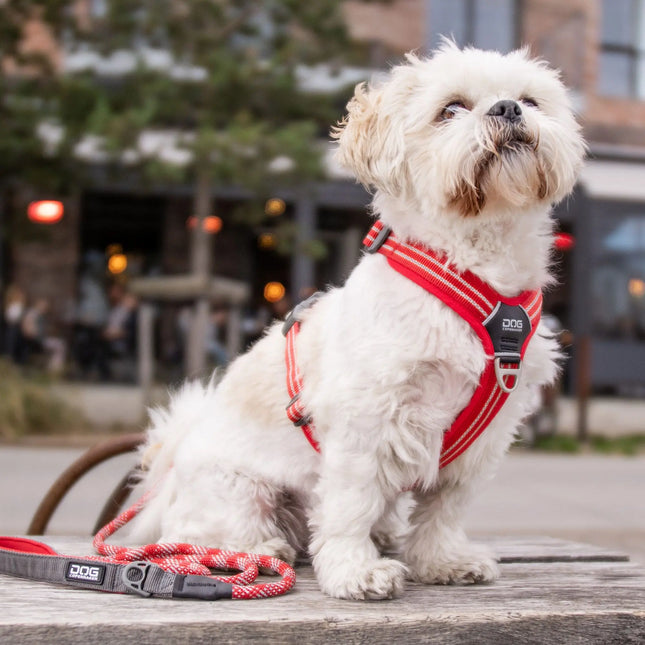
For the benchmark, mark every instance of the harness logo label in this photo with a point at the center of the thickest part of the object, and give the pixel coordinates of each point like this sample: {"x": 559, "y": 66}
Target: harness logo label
{"x": 92, "y": 573}
{"x": 512, "y": 324}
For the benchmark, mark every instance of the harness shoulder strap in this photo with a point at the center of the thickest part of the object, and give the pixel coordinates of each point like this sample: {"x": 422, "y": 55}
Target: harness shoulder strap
{"x": 295, "y": 409}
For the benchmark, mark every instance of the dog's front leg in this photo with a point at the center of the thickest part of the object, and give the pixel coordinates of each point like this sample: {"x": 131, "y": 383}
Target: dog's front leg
{"x": 350, "y": 501}
{"x": 437, "y": 550}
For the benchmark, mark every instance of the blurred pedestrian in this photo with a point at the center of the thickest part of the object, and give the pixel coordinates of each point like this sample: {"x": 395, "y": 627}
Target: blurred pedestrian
{"x": 216, "y": 328}
{"x": 37, "y": 337}
{"x": 91, "y": 317}
{"x": 14, "y": 309}
{"x": 217, "y": 323}
{"x": 120, "y": 332}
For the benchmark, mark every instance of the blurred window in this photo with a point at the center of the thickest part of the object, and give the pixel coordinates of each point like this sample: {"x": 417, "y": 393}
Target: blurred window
{"x": 618, "y": 283}
{"x": 98, "y": 8}
{"x": 622, "y": 52}
{"x": 488, "y": 24}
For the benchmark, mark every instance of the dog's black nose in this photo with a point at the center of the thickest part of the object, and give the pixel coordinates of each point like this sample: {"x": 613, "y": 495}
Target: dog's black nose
{"x": 509, "y": 110}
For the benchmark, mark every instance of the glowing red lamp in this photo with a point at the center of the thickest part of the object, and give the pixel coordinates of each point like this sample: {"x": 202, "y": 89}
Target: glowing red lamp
{"x": 45, "y": 211}
{"x": 564, "y": 241}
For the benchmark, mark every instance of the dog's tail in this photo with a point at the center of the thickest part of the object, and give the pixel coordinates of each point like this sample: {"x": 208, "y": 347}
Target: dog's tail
{"x": 168, "y": 426}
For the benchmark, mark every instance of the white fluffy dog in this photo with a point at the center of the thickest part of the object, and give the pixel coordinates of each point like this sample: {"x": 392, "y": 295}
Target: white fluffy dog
{"x": 465, "y": 151}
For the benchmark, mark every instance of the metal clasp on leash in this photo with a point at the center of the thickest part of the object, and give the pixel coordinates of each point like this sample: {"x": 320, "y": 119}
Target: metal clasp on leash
{"x": 134, "y": 576}
{"x": 514, "y": 370}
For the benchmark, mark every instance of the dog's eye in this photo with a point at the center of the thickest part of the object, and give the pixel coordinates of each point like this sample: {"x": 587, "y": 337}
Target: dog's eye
{"x": 451, "y": 109}
{"x": 529, "y": 101}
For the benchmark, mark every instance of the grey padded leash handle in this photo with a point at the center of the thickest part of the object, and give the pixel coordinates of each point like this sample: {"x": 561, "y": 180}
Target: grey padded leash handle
{"x": 89, "y": 574}
{"x": 140, "y": 577}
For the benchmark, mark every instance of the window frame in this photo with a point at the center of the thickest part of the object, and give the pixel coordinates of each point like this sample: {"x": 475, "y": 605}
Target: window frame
{"x": 633, "y": 51}
{"x": 468, "y": 26}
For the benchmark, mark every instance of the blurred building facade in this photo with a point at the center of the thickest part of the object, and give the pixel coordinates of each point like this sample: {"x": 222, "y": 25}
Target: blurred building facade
{"x": 599, "y": 45}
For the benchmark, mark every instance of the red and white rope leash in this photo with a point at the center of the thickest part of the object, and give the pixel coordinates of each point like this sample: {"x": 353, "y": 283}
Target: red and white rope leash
{"x": 173, "y": 570}
{"x": 190, "y": 559}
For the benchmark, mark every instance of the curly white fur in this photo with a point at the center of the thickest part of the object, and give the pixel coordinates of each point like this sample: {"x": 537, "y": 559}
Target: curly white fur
{"x": 386, "y": 366}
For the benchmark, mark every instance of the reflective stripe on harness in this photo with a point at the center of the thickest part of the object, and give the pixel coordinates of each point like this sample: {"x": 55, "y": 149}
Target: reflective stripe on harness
{"x": 295, "y": 408}
{"x": 503, "y": 325}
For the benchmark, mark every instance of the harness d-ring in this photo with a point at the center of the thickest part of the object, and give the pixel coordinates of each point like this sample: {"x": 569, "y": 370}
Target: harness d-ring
{"x": 510, "y": 369}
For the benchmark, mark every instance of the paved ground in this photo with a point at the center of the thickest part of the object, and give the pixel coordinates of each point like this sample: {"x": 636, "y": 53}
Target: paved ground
{"x": 594, "y": 499}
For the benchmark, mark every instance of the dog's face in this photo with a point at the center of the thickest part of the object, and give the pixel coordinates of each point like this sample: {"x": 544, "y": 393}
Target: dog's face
{"x": 469, "y": 131}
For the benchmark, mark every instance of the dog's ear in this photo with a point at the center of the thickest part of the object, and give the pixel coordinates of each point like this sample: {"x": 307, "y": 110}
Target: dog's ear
{"x": 367, "y": 144}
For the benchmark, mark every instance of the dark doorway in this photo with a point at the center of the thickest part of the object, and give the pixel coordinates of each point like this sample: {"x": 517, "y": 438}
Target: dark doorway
{"x": 133, "y": 223}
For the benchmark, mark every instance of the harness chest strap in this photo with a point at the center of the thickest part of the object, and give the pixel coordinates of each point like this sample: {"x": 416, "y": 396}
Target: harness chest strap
{"x": 503, "y": 325}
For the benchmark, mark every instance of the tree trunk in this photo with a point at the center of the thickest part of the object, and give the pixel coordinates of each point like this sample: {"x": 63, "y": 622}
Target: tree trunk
{"x": 201, "y": 265}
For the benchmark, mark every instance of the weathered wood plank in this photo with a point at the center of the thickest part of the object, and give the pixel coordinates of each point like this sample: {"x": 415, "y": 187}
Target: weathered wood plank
{"x": 546, "y": 549}
{"x": 580, "y": 600}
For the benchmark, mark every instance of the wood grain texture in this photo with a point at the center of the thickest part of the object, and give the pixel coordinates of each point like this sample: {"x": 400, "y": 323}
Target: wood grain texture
{"x": 582, "y": 598}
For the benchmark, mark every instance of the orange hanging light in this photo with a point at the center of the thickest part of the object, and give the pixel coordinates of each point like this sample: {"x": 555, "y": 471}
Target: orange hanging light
{"x": 211, "y": 223}
{"x": 274, "y": 291}
{"x": 274, "y": 207}
{"x": 117, "y": 263}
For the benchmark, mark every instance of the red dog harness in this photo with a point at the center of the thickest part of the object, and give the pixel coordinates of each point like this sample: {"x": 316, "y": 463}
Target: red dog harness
{"x": 504, "y": 326}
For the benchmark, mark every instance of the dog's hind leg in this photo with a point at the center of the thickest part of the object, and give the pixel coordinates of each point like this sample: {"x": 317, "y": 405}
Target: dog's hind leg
{"x": 390, "y": 530}
{"x": 437, "y": 550}
{"x": 228, "y": 510}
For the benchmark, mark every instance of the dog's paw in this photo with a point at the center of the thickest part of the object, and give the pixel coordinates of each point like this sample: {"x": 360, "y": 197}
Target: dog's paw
{"x": 471, "y": 564}
{"x": 377, "y": 579}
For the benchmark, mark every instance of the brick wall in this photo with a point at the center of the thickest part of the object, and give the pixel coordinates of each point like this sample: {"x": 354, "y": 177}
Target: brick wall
{"x": 562, "y": 32}
{"x": 47, "y": 265}
{"x": 398, "y": 25}
{"x": 567, "y": 34}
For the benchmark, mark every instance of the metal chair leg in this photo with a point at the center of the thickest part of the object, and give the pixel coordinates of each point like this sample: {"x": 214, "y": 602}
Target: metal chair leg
{"x": 91, "y": 458}
{"x": 115, "y": 501}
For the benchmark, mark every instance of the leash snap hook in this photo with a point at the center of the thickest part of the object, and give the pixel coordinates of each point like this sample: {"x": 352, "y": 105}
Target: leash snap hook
{"x": 514, "y": 370}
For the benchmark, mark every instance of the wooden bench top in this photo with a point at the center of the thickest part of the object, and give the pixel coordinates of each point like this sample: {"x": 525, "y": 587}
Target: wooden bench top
{"x": 551, "y": 591}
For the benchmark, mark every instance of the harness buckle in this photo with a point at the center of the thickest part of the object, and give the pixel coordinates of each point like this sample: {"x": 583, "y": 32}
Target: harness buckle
{"x": 295, "y": 314}
{"x": 303, "y": 421}
{"x": 378, "y": 241}
{"x": 514, "y": 369}
{"x": 300, "y": 420}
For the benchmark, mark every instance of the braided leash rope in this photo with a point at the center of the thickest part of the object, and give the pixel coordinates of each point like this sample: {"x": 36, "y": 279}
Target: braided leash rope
{"x": 190, "y": 559}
